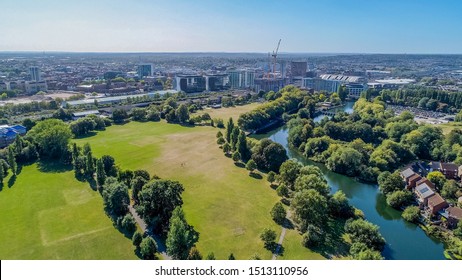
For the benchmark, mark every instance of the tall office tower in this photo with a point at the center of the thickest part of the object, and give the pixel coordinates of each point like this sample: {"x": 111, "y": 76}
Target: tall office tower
{"x": 298, "y": 68}
{"x": 35, "y": 74}
{"x": 249, "y": 81}
{"x": 145, "y": 70}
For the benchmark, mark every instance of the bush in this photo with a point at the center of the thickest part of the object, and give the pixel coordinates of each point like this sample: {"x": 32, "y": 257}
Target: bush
{"x": 398, "y": 199}
{"x": 128, "y": 223}
{"x": 148, "y": 248}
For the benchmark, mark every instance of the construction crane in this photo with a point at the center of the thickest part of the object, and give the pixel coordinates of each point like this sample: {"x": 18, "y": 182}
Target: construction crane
{"x": 274, "y": 55}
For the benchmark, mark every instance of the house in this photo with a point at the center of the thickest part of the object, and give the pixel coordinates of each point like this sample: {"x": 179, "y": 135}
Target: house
{"x": 413, "y": 181}
{"x": 423, "y": 192}
{"x": 436, "y": 203}
{"x": 425, "y": 181}
{"x": 450, "y": 170}
{"x": 406, "y": 174}
{"x": 454, "y": 215}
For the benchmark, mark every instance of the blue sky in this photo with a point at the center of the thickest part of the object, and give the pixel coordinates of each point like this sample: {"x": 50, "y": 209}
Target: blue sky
{"x": 345, "y": 26}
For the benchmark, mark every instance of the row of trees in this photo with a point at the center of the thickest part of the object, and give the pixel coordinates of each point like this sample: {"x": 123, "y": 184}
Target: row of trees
{"x": 424, "y": 97}
{"x": 290, "y": 99}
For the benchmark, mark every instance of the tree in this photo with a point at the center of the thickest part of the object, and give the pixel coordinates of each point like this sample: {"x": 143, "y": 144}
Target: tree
{"x": 181, "y": 236}
{"x": 12, "y": 160}
{"x": 458, "y": 231}
{"x": 229, "y": 129}
{"x": 242, "y": 147}
{"x": 411, "y": 214}
{"x": 345, "y": 160}
{"x": 219, "y": 134}
{"x": 182, "y": 113}
{"x": 109, "y": 165}
{"x": 365, "y": 232}
{"x": 236, "y": 156}
{"x": 142, "y": 173}
{"x": 339, "y": 205}
{"x": 313, "y": 236}
{"x": 221, "y": 141}
{"x": 137, "y": 184}
{"x": 116, "y": 199}
{"x": 389, "y": 182}
{"x": 100, "y": 173}
{"x": 231, "y": 257}
{"x": 137, "y": 238}
{"x": 360, "y": 251}
{"x": 234, "y": 137}
{"x": 210, "y": 256}
{"x": 89, "y": 165}
{"x": 311, "y": 181}
{"x": 128, "y": 223}
{"x": 251, "y": 166}
{"x": 288, "y": 173}
{"x": 148, "y": 248}
{"x": 278, "y": 213}
{"x": 268, "y": 236}
{"x": 2, "y": 174}
{"x": 271, "y": 177}
{"x": 226, "y": 148}
{"x": 119, "y": 115}
{"x": 51, "y": 136}
{"x": 194, "y": 254}
{"x": 399, "y": 198}
{"x": 449, "y": 190}
{"x": 437, "y": 178}
{"x": 157, "y": 200}
{"x": 138, "y": 114}
{"x": 309, "y": 207}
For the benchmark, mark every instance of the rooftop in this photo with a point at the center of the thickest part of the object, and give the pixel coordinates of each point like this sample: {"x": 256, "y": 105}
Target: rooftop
{"x": 424, "y": 190}
{"x": 407, "y": 173}
{"x": 436, "y": 200}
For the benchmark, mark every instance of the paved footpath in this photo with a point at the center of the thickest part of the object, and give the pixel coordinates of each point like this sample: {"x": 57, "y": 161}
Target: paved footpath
{"x": 160, "y": 244}
{"x": 281, "y": 237}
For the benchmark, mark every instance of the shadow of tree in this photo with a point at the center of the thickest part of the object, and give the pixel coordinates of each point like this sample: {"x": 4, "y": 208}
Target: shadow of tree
{"x": 333, "y": 244}
{"x": 11, "y": 181}
{"x": 239, "y": 164}
{"x": 1, "y": 186}
{"x": 256, "y": 175}
{"x": 88, "y": 135}
{"x": 273, "y": 186}
{"x": 53, "y": 167}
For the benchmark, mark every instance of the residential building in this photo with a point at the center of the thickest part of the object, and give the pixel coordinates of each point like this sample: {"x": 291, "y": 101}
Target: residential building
{"x": 319, "y": 84}
{"x": 426, "y": 182}
{"x": 453, "y": 216}
{"x": 241, "y": 78}
{"x": 355, "y": 90}
{"x": 407, "y": 174}
{"x": 412, "y": 181}
{"x": 34, "y": 87}
{"x": 35, "y": 75}
{"x": 145, "y": 70}
{"x": 436, "y": 203}
{"x": 423, "y": 192}
{"x": 298, "y": 68}
{"x": 269, "y": 84}
{"x": 450, "y": 170}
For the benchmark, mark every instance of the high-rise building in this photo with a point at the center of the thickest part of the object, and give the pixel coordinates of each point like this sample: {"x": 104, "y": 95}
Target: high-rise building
{"x": 35, "y": 74}
{"x": 298, "y": 68}
{"x": 216, "y": 82}
{"x": 319, "y": 84}
{"x": 190, "y": 83}
{"x": 241, "y": 78}
{"x": 145, "y": 70}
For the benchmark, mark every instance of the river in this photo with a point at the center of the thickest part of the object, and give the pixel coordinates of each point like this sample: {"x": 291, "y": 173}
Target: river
{"x": 405, "y": 241}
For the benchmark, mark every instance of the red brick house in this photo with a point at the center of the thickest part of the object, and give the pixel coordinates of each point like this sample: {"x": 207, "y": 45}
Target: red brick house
{"x": 454, "y": 215}
{"x": 436, "y": 203}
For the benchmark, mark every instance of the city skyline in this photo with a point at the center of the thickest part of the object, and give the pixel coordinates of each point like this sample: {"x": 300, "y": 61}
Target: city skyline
{"x": 334, "y": 26}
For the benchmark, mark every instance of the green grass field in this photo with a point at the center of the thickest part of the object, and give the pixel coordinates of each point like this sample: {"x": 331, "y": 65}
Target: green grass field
{"x": 448, "y": 127}
{"x": 48, "y": 214}
{"x": 227, "y": 206}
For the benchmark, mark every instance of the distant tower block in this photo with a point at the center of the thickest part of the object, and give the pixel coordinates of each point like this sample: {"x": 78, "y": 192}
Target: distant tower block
{"x": 35, "y": 74}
